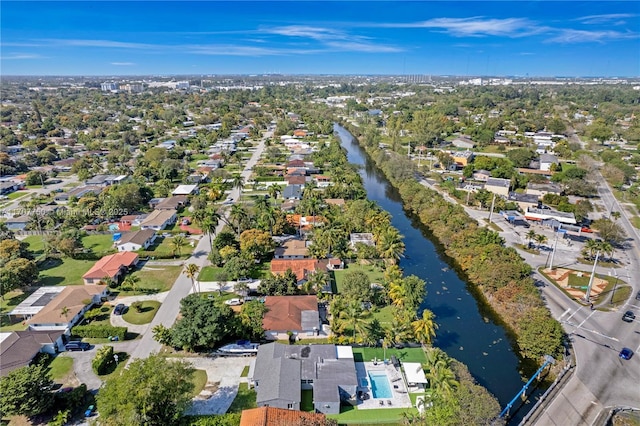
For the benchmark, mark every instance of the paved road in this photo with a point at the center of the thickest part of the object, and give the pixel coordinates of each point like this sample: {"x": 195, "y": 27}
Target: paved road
{"x": 13, "y": 208}
{"x": 170, "y": 309}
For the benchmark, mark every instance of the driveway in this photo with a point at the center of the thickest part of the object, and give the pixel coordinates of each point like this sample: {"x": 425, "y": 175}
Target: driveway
{"x": 226, "y": 372}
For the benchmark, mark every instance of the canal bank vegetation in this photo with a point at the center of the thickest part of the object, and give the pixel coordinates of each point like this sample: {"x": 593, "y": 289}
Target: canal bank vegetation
{"x": 498, "y": 272}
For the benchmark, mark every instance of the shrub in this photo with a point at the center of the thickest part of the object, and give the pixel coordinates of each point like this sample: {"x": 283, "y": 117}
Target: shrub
{"x": 103, "y": 360}
{"x": 137, "y": 306}
{"x": 99, "y": 331}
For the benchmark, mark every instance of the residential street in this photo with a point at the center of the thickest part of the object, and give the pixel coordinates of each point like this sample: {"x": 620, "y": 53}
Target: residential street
{"x": 170, "y": 309}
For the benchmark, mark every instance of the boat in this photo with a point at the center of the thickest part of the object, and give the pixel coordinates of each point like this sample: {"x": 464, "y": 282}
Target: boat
{"x": 241, "y": 347}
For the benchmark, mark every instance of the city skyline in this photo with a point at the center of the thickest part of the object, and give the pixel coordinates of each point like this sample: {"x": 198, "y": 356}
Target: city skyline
{"x": 524, "y": 38}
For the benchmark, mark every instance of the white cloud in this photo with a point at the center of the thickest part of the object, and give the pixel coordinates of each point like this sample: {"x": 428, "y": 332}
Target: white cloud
{"x": 316, "y": 33}
{"x": 475, "y": 26}
{"x": 123, "y": 64}
{"x": 21, "y": 56}
{"x": 583, "y": 36}
{"x": 607, "y": 18}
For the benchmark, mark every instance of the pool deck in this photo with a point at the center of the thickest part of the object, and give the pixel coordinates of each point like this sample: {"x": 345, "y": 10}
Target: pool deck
{"x": 400, "y": 396}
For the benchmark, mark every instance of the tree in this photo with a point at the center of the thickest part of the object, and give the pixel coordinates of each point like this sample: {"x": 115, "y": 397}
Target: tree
{"x": 151, "y": 391}
{"x": 357, "y": 286}
{"x": 609, "y": 230}
{"x": 132, "y": 282}
{"x": 540, "y": 239}
{"x": 191, "y": 271}
{"x": 530, "y": 235}
{"x": 539, "y": 334}
{"x": 26, "y": 391}
{"x": 354, "y": 318}
{"x": 257, "y": 243}
{"x": 251, "y": 316}
{"x": 425, "y": 328}
{"x": 177, "y": 243}
{"x": 203, "y": 324}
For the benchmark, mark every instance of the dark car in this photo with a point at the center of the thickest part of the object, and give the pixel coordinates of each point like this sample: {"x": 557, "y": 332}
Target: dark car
{"x": 77, "y": 346}
{"x": 628, "y": 316}
{"x": 119, "y": 309}
{"x": 638, "y": 296}
{"x": 626, "y": 353}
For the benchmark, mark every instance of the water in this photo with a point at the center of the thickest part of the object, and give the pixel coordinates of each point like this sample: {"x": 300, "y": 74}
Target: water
{"x": 467, "y": 330}
{"x": 380, "y": 387}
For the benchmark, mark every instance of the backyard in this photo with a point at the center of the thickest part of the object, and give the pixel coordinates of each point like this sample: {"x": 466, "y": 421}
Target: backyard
{"x": 9, "y": 301}
{"x": 153, "y": 279}
{"x": 374, "y": 273}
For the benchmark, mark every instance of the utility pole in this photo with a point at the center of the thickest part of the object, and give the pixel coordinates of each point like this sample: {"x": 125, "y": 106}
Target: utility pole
{"x": 493, "y": 201}
{"x": 593, "y": 272}
{"x": 614, "y": 286}
{"x": 555, "y": 243}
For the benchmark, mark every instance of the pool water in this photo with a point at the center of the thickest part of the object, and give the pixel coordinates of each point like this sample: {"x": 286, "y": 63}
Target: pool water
{"x": 364, "y": 383}
{"x": 380, "y": 387}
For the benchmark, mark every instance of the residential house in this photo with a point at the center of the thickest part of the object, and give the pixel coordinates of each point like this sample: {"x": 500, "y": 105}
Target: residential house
{"x": 136, "y": 240}
{"x": 112, "y": 267}
{"x": 335, "y": 201}
{"x": 292, "y": 192}
{"x": 498, "y": 186}
{"x": 19, "y": 348}
{"x": 289, "y": 206}
{"x": 168, "y": 145}
{"x": 524, "y": 201}
{"x": 18, "y": 223}
{"x": 8, "y": 187}
{"x": 547, "y": 160}
{"x": 464, "y": 142}
{"x": 365, "y": 238}
{"x": 105, "y": 180}
{"x": 335, "y": 264}
{"x": 295, "y": 314}
{"x": 300, "y": 267}
{"x": 462, "y": 158}
{"x": 296, "y": 180}
{"x": 185, "y": 190}
{"x": 78, "y": 193}
{"x": 281, "y": 372}
{"x": 175, "y": 202}
{"x": 482, "y": 175}
{"x": 65, "y": 310}
{"x": 273, "y": 416}
{"x": 305, "y": 223}
{"x": 292, "y": 249}
{"x": 322, "y": 181}
{"x": 159, "y": 219}
{"x": 541, "y": 189}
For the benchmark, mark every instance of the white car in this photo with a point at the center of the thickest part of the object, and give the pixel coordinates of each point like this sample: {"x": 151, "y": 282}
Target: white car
{"x": 233, "y": 302}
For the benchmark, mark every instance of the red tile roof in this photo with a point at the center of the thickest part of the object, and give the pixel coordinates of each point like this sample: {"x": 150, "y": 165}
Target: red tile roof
{"x": 272, "y": 416}
{"x": 109, "y": 266}
{"x": 285, "y": 312}
{"x": 300, "y": 267}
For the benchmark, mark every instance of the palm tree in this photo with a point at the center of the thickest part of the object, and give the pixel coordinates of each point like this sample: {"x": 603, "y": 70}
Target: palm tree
{"x": 209, "y": 225}
{"x": 425, "y": 328}
{"x": 390, "y": 245}
{"x": 606, "y": 247}
{"x": 591, "y": 247}
{"x": 238, "y": 183}
{"x": 132, "y": 281}
{"x": 531, "y": 235}
{"x": 238, "y": 215}
{"x": 64, "y": 311}
{"x": 540, "y": 239}
{"x": 396, "y": 293}
{"x": 191, "y": 271}
{"x": 317, "y": 280}
{"x": 615, "y": 215}
{"x": 354, "y": 317}
{"x": 274, "y": 190}
{"x": 177, "y": 243}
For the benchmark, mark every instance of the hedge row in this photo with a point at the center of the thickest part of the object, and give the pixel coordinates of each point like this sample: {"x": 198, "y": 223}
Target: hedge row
{"x": 99, "y": 331}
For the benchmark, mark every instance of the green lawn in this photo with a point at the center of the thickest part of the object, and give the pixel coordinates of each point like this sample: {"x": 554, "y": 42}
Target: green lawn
{"x": 154, "y": 279}
{"x": 9, "y": 301}
{"x": 261, "y": 271}
{"x": 245, "y": 399}
{"x": 64, "y": 271}
{"x": 386, "y": 416}
{"x": 209, "y": 273}
{"x": 406, "y": 354}
{"x": 98, "y": 243}
{"x": 122, "y": 358}
{"x": 18, "y": 194}
{"x": 163, "y": 247}
{"x": 148, "y": 311}
{"x": 245, "y": 371}
{"x": 199, "y": 382}
{"x": 384, "y": 315}
{"x": 60, "y": 367}
{"x": 375, "y": 274}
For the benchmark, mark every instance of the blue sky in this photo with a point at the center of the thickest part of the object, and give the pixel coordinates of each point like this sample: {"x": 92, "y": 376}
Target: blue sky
{"x": 517, "y": 38}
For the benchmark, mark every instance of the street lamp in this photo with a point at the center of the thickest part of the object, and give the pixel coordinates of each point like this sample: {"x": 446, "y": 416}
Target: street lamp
{"x": 555, "y": 243}
{"x": 615, "y": 284}
{"x": 593, "y": 272}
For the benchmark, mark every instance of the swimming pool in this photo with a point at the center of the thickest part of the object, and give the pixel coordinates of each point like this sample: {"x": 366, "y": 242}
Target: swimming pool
{"x": 364, "y": 382}
{"x": 380, "y": 387}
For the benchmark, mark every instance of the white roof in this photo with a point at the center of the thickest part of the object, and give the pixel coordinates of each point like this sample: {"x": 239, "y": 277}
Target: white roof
{"x": 184, "y": 189}
{"x": 414, "y": 372}
{"x": 344, "y": 352}
{"x": 36, "y": 301}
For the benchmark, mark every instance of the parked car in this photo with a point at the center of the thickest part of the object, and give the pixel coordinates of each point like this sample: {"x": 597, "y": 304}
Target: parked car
{"x": 626, "y": 353}
{"x": 119, "y": 309}
{"x": 186, "y": 221}
{"x": 628, "y": 316}
{"x": 233, "y": 302}
{"x": 638, "y": 296}
{"x": 77, "y": 346}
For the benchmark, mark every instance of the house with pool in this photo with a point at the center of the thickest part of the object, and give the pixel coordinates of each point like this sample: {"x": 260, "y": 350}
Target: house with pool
{"x": 281, "y": 372}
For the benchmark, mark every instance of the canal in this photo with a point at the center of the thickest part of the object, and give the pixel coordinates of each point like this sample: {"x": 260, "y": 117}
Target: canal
{"x": 467, "y": 330}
